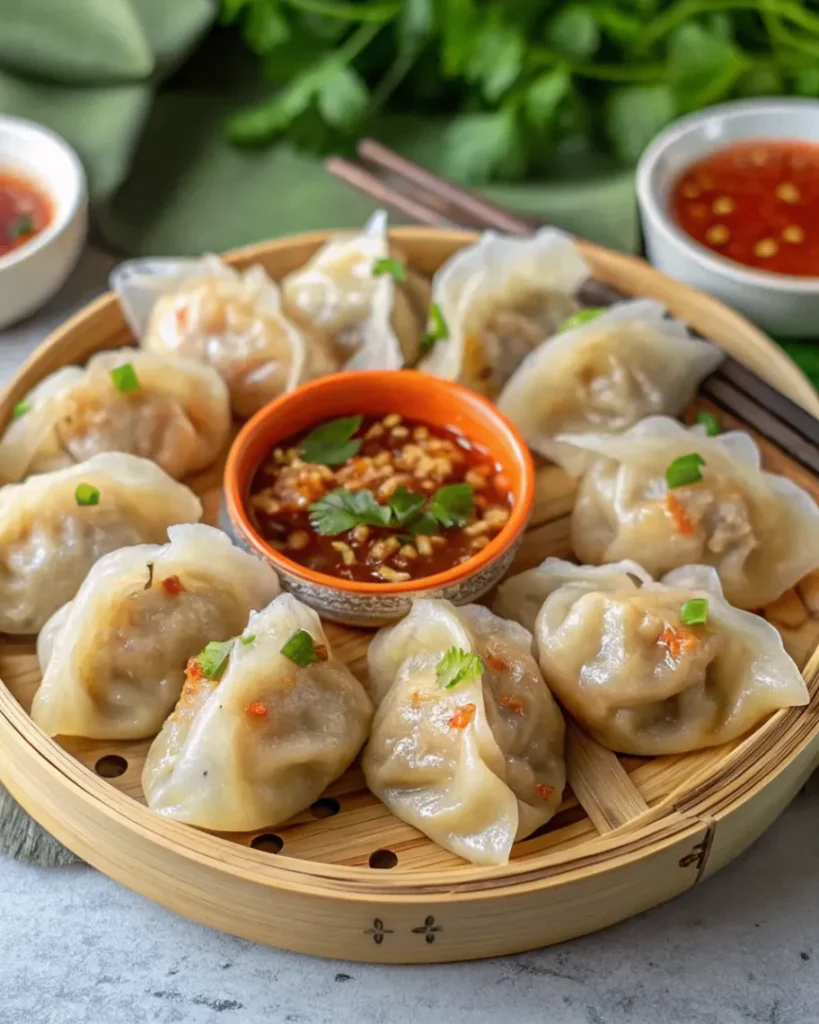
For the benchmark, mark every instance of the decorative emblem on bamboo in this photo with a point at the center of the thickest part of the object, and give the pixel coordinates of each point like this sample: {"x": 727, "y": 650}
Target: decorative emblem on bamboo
{"x": 428, "y": 929}
{"x": 378, "y": 931}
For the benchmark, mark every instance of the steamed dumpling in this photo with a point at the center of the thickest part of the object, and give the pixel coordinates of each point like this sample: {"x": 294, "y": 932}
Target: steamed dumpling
{"x": 613, "y": 647}
{"x": 373, "y": 322}
{"x": 175, "y": 412}
{"x": 262, "y": 740}
{"x": 49, "y": 541}
{"x": 208, "y": 311}
{"x": 113, "y": 659}
{"x": 605, "y": 375}
{"x": 759, "y": 530}
{"x": 499, "y": 299}
{"x": 475, "y": 766}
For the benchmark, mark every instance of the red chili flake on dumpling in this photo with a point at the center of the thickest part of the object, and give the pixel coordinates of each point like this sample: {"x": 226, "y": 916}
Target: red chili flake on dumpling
{"x": 321, "y": 651}
{"x": 462, "y": 718}
{"x": 495, "y": 662}
{"x": 193, "y": 669}
{"x": 257, "y": 709}
{"x": 172, "y": 585}
{"x": 677, "y": 639}
{"x": 511, "y": 704}
{"x": 544, "y": 791}
{"x": 682, "y": 520}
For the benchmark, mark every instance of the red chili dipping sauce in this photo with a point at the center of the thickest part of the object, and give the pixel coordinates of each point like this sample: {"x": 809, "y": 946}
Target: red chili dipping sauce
{"x": 24, "y": 211}
{"x": 757, "y": 203}
{"x": 379, "y": 500}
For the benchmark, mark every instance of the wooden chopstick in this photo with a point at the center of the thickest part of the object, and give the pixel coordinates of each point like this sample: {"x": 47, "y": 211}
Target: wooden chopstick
{"x": 429, "y": 199}
{"x": 460, "y": 200}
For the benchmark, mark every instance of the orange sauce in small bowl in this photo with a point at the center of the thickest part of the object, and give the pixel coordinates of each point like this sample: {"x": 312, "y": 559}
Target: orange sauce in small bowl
{"x": 756, "y": 203}
{"x": 25, "y": 210}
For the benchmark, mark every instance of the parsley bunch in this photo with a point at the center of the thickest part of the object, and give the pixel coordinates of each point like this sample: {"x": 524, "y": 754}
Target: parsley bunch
{"x": 527, "y": 84}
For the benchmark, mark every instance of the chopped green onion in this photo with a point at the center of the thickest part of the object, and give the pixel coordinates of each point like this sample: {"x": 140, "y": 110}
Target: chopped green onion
{"x": 581, "y": 317}
{"x": 125, "y": 378}
{"x": 86, "y": 494}
{"x": 21, "y": 409}
{"x": 684, "y": 470}
{"x": 300, "y": 649}
{"x": 245, "y": 640}
{"x": 710, "y": 422}
{"x": 395, "y": 268}
{"x": 694, "y": 612}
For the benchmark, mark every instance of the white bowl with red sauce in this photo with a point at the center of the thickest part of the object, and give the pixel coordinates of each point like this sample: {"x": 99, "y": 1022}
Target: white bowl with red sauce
{"x": 43, "y": 215}
{"x": 729, "y": 201}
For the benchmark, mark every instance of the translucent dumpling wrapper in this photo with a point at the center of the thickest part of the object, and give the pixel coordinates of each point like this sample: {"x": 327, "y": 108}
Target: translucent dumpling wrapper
{"x": 174, "y": 412}
{"x": 605, "y": 375}
{"x": 759, "y": 530}
{"x": 54, "y": 527}
{"x": 345, "y": 291}
{"x": 205, "y": 310}
{"x": 261, "y": 742}
{"x": 113, "y": 659}
{"x": 614, "y": 648}
{"x": 499, "y": 299}
{"x": 475, "y": 766}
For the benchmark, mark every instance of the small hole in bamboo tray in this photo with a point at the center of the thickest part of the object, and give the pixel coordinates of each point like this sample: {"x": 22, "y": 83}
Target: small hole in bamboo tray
{"x": 325, "y": 808}
{"x": 111, "y": 766}
{"x": 383, "y": 859}
{"x": 268, "y": 843}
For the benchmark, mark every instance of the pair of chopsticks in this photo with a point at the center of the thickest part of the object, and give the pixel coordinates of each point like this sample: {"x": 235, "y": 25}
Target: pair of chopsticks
{"x": 395, "y": 181}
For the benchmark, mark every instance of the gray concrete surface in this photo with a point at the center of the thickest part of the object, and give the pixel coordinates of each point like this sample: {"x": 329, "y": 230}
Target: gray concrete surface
{"x": 742, "y": 948}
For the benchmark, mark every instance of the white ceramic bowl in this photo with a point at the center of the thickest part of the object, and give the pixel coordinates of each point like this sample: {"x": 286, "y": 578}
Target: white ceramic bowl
{"x": 30, "y": 274}
{"x": 784, "y": 305}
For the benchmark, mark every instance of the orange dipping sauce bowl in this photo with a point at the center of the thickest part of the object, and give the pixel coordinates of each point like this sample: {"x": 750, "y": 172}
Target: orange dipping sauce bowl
{"x": 417, "y": 396}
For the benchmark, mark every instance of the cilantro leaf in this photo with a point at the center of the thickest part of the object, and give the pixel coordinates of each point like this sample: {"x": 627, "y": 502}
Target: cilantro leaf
{"x": 496, "y": 56}
{"x": 341, "y": 510}
{"x": 452, "y": 505}
{"x": 573, "y": 31}
{"x": 405, "y": 504}
{"x": 330, "y": 444}
{"x": 544, "y": 95}
{"x": 456, "y": 666}
{"x": 480, "y": 146}
{"x": 634, "y": 115}
{"x": 425, "y": 524}
{"x": 395, "y": 268}
{"x": 212, "y": 659}
{"x": 342, "y": 98}
{"x": 300, "y": 649}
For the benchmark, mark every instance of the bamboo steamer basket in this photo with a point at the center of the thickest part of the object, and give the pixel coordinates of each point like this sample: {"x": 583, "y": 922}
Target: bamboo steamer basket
{"x": 345, "y": 878}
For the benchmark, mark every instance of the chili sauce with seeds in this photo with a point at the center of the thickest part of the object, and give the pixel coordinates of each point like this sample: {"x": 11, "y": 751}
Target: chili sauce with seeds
{"x": 757, "y": 203}
{"x": 395, "y": 452}
{"x": 25, "y": 210}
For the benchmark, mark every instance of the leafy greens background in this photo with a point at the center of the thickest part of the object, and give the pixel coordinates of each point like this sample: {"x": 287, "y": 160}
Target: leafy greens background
{"x": 202, "y": 122}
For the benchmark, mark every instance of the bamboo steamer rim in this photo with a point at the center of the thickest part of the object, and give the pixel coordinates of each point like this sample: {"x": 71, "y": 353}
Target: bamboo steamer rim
{"x": 759, "y": 759}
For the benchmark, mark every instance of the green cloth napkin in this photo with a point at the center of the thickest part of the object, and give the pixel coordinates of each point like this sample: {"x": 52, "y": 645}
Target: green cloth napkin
{"x": 163, "y": 178}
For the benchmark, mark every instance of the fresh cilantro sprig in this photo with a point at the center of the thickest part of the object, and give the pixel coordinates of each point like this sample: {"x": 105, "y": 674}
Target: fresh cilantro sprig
{"x": 341, "y": 510}
{"x": 213, "y": 658}
{"x": 437, "y": 330}
{"x": 301, "y": 649}
{"x": 331, "y": 444}
{"x": 456, "y": 666}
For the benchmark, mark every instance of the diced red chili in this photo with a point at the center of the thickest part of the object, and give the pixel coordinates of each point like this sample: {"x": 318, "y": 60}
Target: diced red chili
{"x": 257, "y": 709}
{"x": 677, "y": 639}
{"x": 172, "y": 585}
{"x": 682, "y": 520}
{"x": 544, "y": 791}
{"x": 462, "y": 718}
